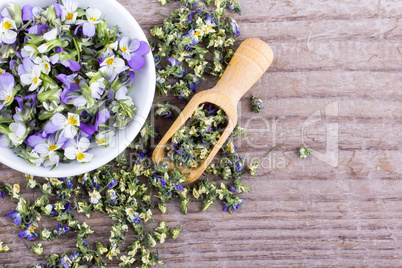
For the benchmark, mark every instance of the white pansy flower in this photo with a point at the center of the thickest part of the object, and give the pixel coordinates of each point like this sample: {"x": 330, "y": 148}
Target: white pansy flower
{"x": 104, "y": 138}
{"x": 44, "y": 64}
{"x": 8, "y": 32}
{"x": 69, "y": 124}
{"x": 77, "y": 150}
{"x": 112, "y": 66}
{"x": 32, "y": 79}
{"x": 97, "y": 88}
{"x": 69, "y": 14}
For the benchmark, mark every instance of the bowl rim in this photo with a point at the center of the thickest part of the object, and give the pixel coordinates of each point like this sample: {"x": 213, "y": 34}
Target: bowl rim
{"x": 135, "y": 126}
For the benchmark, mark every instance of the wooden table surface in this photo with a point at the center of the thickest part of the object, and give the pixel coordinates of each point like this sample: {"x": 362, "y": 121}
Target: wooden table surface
{"x": 336, "y": 85}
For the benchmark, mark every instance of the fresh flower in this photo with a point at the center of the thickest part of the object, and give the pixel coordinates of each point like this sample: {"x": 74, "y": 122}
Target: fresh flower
{"x": 69, "y": 14}
{"x": 8, "y": 32}
{"x": 6, "y": 89}
{"x": 89, "y": 27}
{"x": 78, "y": 150}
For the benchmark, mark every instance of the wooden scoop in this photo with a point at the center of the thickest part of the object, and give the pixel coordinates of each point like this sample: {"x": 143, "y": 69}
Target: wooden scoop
{"x": 248, "y": 64}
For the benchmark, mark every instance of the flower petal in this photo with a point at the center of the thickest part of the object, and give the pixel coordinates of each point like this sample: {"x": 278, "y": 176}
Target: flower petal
{"x": 27, "y": 13}
{"x": 88, "y": 29}
{"x": 136, "y": 62}
{"x": 70, "y": 153}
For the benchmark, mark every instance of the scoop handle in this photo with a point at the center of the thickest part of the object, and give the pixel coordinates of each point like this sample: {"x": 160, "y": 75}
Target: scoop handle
{"x": 248, "y": 64}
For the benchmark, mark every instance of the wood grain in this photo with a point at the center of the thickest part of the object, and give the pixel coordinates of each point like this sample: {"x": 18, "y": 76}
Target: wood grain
{"x": 299, "y": 212}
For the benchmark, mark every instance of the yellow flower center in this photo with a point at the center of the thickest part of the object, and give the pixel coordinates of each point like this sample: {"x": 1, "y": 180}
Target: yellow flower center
{"x": 36, "y": 80}
{"x": 16, "y": 187}
{"x": 70, "y": 16}
{"x": 8, "y": 99}
{"x": 197, "y": 33}
{"x": 31, "y": 228}
{"x": 72, "y": 120}
{"x": 101, "y": 141}
{"x": 52, "y": 147}
{"x": 80, "y": 156}
{"x": 47, "y": 66}
{"x": 7, "y": 25}
{"x": 93, "y": 19}
{"x": 109, "y": 61}
{"x": 124, "y": 49}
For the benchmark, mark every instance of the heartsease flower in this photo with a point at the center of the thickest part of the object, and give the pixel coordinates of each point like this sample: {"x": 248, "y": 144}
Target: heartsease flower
{"x": 89, "y": 26}
{"x": 77, "y": 150}
{"x": 7, "y": 83}
{"x": 69, "y": 14}
{"x": 8, "y": 33}
{"x": 68, "y": 124}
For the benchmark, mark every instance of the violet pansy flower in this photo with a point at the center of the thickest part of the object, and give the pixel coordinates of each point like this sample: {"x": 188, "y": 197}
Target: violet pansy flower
{"x": 7, "y": 83}
{"x": 137, "y": 60}
{"x": 127, "y": 47}
{"x": 89, "y": 26}
{"x": 16, "y": 216}
{"x": 29, "y": 233}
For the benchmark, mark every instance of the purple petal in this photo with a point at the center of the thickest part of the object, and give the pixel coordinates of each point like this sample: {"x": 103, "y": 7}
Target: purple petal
{"x": 64, "y": 95}
{"x": 88, "y": 29}
{"x": 31, "y": 96}
{"x": 27, "y": 13}
{"x": 51, "y": 128}
{"x": 143, "y": 49}
{"x": 132, "y": 76}
{"x": 76, "y": 29}
{"x": 72, "y": 65}
{"x": 121, "y": 94}
{"x": 17, "y": 220}
{"x": 23, "y": 234}
{"x": 42, "y": 27}
{"x": 136, "y": 62}
{"x": 31, "y": 237}
{"x": 59, "y": 49}
{"x": 26, "y": 66}
{"x": 64, "y": 80}
{"x": 19, "y": 101}
{"x": 57, "y": 8}
{"x": 35, "y": 139}
{"x": 88, "y": 129}
{"x": 12, "y": 62}
{"x": 103, "y": 116}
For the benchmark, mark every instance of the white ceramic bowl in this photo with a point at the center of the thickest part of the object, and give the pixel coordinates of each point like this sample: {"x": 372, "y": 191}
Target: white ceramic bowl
{"x": 142, "y": 93}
